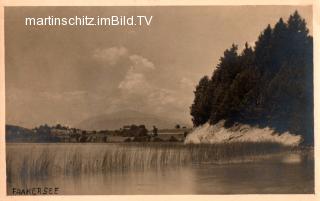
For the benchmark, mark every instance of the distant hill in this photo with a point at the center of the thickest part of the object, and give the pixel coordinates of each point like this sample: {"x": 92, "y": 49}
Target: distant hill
{"x": 20, "y": 134}
{"x": 17, "y": 133}
{"x": 118, "y": 119}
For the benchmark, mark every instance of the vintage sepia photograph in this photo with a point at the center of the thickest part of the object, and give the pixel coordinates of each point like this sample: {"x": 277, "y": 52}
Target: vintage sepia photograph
{"x": 159, "y": 100}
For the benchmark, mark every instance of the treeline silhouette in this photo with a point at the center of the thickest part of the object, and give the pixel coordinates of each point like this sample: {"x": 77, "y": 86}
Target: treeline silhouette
{"x": 268, "y": 85}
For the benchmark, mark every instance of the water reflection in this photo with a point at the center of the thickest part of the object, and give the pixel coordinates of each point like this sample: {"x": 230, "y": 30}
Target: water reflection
{"x": 255, "y": 178}
{"x": 284, "y": 173}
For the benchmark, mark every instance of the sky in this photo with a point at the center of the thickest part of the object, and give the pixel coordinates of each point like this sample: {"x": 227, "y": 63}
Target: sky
{"x": 70, "y": 73}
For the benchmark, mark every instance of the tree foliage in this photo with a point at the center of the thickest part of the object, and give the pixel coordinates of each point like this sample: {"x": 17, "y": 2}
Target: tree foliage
{"x": 200, "y": 109}
{"x": 270, "y": 85}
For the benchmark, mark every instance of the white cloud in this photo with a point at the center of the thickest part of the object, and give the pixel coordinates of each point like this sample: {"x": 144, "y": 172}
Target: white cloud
{"x": 137, "y": 91}
{"x": 186, "y": 83}
{"x": 135, "y": 80}
{"x": 140, "y": 63}
{"x": 111, "y": 55}
{"x": 161, "y": 96}
{"x": 134, "y": 83}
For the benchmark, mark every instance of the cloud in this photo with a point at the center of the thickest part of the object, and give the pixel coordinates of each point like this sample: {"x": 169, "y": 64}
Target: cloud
{"x": 136, "y": 90}
{"x": 134, "y": 83}
{"x": 39, "y": 107}
{"x": 186, "y": 83}
{"x": 139, "y": 93}
{"x": 128, "y": 84}
{"x": 136, "y": 78}
{"x": 111, "y": 55}
{"x": 140, "y": 63}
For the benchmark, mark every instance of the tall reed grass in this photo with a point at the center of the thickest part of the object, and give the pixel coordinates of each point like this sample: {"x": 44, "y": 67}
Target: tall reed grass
{"x": 43, "y": 160}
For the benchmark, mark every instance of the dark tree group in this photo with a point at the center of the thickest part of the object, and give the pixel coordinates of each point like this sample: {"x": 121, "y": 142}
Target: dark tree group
{"x": 268, "y": 85}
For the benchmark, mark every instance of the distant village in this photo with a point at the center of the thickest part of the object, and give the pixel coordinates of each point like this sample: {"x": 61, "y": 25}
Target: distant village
{"x": 128, "y": 133}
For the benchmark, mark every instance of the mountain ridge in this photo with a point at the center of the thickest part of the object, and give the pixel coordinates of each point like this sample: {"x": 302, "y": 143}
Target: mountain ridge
{"x": 118, "y": 119}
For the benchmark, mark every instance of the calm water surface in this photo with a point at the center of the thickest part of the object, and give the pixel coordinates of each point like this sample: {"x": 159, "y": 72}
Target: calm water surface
{"x": 288, "y": 173}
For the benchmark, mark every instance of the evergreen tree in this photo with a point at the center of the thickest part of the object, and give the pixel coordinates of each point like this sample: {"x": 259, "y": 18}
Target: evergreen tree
{"x": 222, "y": 78}
{"x": 271, "y": 85}
{"x": 200, "y": 109}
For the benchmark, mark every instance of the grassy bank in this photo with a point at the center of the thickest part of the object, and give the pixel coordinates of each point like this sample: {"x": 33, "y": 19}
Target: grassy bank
{"x": 43, "y": 160}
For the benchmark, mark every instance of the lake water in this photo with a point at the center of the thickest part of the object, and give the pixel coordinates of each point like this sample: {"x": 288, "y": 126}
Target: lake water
{"x": 282, "y": 173}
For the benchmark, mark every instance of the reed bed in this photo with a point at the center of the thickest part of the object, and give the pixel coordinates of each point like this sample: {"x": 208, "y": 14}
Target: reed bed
{"x": 44, "y": 160}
